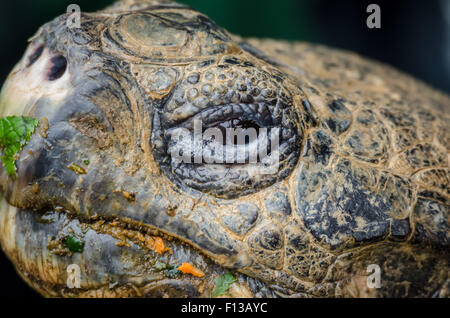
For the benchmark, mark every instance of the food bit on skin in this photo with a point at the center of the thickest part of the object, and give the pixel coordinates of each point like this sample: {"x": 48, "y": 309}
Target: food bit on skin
{"x": 154, "y": 243}
{"x": 171, "y": 211}
{"x": 74, "y": 244}
{"x": 65, "y": 245}
{"x": 43, "y": 127}
{"x": 130, "y": 196}
{"x": 15, "y": 132}
{"x": 123, "y": 243}
{"x": 223, "y": 284}
{"x": 157, "y": 244}
{"x": 173, "y": 272}
{"x": 188, "y": 268}
{"x": 76, "y": 168}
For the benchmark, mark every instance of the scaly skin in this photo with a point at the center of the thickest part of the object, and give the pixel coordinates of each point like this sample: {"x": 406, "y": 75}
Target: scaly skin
{"x": 363, "y": 175}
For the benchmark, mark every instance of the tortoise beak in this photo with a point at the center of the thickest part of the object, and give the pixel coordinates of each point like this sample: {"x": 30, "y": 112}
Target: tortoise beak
{"x": 37, "y": 87}
{"x": 33, "y": 78}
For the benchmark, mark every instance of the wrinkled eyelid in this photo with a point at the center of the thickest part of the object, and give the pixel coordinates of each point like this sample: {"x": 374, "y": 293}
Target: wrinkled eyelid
{"x": 35, "y": 55}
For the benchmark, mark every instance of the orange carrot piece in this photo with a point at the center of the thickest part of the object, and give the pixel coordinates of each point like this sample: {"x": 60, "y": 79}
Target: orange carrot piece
{"x": 187, "y": 268}
{"x": 159, "y": 245}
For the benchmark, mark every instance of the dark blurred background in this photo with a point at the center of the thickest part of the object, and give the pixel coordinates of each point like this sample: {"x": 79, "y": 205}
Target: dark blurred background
{"x": 414, "y": 37}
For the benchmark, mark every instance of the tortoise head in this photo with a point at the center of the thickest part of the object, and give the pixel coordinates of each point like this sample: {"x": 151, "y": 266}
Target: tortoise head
{"x": 153, "y": 115}
{"x": 155, "y": 122}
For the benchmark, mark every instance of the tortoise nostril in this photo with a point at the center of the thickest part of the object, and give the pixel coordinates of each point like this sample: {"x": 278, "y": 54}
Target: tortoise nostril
{"x": 35, "y": 56}
{"x": 59, "y": 65}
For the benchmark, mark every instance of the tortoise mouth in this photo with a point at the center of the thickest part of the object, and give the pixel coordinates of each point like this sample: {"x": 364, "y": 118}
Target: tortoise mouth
{"x": 109, "y": 254}
{"x": 228, "y": 150}
{"x": 112, "y": 258}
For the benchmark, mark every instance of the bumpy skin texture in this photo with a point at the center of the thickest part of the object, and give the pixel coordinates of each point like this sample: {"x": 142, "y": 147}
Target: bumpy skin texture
{"x": 363, "y": 177}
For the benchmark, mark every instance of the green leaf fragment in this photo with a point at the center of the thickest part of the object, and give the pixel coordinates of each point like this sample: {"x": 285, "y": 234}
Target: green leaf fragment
{"x": 172, "y": 271}
{"x": 15, "y": 132}
{"x": 223, "y": 284}
{"x": 74, "y": 244}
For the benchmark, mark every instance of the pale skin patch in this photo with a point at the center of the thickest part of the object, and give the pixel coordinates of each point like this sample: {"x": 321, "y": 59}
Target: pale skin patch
{"x": 27, "y": 84}
{"x": 7, "y": 223}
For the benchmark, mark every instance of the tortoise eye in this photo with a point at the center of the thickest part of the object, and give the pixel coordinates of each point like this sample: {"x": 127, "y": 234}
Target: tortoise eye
{"x": 237, "y": 123}
{"x": 35, "y": 56}
{"x": 58, "y": 68}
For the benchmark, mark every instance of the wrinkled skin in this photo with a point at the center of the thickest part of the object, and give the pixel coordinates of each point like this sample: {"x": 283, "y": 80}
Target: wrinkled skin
{"x": 363, "y": 177}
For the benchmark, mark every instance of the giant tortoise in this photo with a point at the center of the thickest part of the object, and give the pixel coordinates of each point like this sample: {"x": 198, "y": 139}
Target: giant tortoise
{"x": 105, "y": 189}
